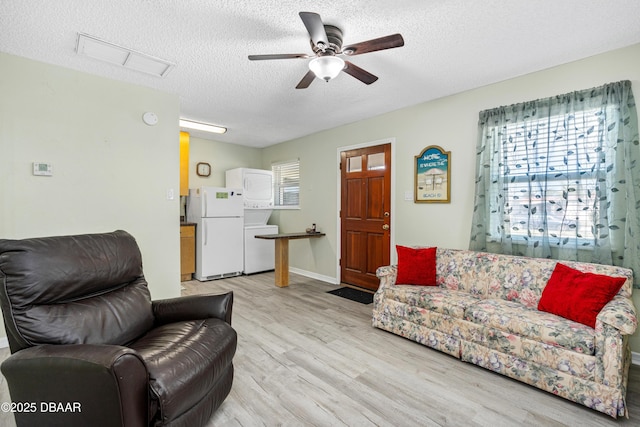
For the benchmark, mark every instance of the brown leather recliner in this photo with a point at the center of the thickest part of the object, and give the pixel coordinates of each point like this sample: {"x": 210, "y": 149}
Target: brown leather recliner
{"x": 90, "y": 348}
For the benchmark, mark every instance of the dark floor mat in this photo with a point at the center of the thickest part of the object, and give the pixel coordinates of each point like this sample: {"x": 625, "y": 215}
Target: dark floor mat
{"x": 357, "y": 295}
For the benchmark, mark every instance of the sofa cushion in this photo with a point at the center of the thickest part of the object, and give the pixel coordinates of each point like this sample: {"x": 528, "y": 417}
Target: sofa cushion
{"x": 560, "y": 358}
{"x": 432, "y": 329}
{"x": 537, "y": 325}
{"x": 460, "y": 270}
{"x": 185, "y": 360}
{"x": 416, "y": 266}
{"x": 578, "y": 296}
{"x": 452, "y": 303}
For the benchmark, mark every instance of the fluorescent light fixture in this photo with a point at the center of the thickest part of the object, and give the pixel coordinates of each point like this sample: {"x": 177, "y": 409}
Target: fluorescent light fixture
{"x": 95, "y": 48}
{"x": 326, "y": 67}
{"x": 202, "y": 126}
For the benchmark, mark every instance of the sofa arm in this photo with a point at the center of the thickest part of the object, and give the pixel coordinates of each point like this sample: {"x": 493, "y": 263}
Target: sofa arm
{"x": 387, "y": 275}
{"x": 620, "y": 314}
{"x": 193, "y": 307}
{"x": 78, "y": 385}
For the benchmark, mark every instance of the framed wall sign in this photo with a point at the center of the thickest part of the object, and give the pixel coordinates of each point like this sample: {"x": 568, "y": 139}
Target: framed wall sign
{"x": 433, "y": 176}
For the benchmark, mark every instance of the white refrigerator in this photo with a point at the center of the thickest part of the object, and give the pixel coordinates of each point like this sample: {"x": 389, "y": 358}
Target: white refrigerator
{"x": 218, "y": 214}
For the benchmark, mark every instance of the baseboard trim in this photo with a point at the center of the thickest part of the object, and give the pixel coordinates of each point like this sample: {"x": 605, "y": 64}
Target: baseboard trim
{"x": 635, "y": 358}
{"x": 4, "y": 342}
{"x": 313, "y": 275}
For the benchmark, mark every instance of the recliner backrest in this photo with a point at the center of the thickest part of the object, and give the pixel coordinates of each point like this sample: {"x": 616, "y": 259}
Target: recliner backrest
{"x": 85, "y": 289}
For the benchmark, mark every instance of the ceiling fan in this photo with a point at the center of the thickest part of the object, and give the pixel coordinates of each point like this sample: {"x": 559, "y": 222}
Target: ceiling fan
{"x": 326, "y": 43}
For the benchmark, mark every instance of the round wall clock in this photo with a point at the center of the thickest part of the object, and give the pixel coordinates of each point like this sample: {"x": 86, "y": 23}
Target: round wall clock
{"x": 203, "y": 169}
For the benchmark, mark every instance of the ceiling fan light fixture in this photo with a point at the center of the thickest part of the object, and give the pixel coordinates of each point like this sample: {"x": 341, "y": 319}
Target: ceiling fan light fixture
{"x": 326, "y": 67}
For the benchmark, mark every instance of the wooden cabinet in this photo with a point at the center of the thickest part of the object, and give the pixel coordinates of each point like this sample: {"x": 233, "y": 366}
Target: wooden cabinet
{"x": 187, "y": 251}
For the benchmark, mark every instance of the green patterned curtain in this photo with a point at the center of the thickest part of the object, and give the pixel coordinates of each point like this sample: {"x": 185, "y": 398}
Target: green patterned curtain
{"x": 560, "y": 178}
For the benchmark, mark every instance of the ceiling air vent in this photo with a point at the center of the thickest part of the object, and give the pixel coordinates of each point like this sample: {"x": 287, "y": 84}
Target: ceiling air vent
{"x": 99, "y": 49}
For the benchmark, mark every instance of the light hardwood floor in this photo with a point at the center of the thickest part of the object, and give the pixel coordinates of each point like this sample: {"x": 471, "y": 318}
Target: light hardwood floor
{"x": 308, "y": 358}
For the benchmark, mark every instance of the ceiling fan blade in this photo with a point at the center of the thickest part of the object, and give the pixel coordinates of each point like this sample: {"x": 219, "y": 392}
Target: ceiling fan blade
{"x": 386, "y": 42}
{"x": 278, "y": 56}
{"x": 360, "y": 74}
{"x": 315, "y": 27}
{"x": 306, "y": 80}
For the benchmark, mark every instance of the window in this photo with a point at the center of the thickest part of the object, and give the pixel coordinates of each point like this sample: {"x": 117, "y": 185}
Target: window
{"x": 286, "y": 181}
{"x": 549, "y": 171}
{"x": 558, "y": 178}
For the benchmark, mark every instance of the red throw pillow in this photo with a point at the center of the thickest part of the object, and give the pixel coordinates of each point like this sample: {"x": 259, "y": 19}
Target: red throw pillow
{"x": 578, "y": 296}
{"x": 416, "y": 266}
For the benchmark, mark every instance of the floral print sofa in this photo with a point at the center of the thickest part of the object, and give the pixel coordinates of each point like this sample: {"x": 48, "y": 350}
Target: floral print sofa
{"x": 484, "y": 311}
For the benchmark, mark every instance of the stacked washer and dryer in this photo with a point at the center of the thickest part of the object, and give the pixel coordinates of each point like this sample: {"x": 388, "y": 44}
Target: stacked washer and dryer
{"x": 257, "y": 192}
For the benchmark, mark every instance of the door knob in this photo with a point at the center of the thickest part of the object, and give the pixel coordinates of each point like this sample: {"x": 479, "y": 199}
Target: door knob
{"x": 385, "y": 227}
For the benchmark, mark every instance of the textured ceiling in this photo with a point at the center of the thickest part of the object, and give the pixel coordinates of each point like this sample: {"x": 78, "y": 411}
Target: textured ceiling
{"x": 450, "y": 46}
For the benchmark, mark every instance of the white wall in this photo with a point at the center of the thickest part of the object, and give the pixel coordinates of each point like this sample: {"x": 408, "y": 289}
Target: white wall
{"x": 110, "y": 170}
{"x": 450, "y": 122}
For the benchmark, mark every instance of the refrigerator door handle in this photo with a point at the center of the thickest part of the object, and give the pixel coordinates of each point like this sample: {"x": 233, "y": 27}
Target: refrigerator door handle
{"x": 205, "y": 231}
{"x": 204, "y": 203}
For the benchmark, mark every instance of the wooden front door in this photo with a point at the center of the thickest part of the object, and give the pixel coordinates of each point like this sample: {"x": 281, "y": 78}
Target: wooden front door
{"x": 365, "y": 214}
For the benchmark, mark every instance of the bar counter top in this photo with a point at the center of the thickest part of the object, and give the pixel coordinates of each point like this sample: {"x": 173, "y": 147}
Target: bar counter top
{"x": 301, "y": 235}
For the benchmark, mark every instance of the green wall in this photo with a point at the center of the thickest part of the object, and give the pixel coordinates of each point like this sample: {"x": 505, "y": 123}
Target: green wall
{"x": 222, "y": 157}
{"x": 110, "y": 170}
{"x": 449, "y": 122}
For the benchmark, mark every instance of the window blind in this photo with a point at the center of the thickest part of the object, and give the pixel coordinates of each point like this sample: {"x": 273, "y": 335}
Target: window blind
{"x": 551, "y": 167}
{"x": 286, "y": 181}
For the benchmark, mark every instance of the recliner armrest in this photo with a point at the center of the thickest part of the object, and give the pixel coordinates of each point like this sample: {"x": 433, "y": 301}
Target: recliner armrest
{"x": 78, "y": 385}
{"x": 218, "y": 306}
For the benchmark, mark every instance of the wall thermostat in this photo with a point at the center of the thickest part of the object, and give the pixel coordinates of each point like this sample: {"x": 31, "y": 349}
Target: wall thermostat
{"x": 42, "y": 169}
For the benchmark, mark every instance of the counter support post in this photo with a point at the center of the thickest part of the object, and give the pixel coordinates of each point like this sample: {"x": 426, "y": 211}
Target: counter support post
{"x": 282, "y": 263}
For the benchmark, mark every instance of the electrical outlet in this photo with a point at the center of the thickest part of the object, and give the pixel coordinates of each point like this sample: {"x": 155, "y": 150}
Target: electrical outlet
{"x": 170, "y": 194}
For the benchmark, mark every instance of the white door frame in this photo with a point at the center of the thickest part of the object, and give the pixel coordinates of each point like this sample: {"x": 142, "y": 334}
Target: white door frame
{"x": 392, "y": 243}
